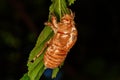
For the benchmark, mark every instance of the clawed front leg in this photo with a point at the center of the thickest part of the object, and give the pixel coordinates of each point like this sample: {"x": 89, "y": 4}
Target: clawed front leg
{"x": 42, "y": 50}
{"x": 53, "y": 24}
{"x": 54, "y": 21}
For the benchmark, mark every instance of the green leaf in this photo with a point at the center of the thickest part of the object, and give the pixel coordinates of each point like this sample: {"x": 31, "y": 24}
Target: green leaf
{"x": 42, "y": 39}
{"x": 36, "y": 73}
{"x": 36, "y": 68}
{"x": 54, "y": 73}
{"x": 59, "y": 8}
{"x": 25, "y": 77}
{"x": 71, "y": 2}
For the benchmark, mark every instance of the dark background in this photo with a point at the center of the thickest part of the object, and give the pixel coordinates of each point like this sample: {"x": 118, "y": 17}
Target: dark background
{"x": 95, "y": 56}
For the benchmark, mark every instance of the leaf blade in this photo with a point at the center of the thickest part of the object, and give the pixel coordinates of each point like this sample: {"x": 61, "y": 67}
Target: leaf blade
{"x": 71, "y": 2}
{"x": 54, "y": 73}
{"x": 25, "y": 77}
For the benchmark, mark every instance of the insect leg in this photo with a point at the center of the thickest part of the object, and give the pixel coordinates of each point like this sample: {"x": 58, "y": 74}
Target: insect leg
{"x": 53, "y": 24}
{"x": 45, "y": 46}
{"x": 39, "y": 53}
{"x": 50, "y": 25}
{"x": 54, "y": 21}
{"x": 72, "y": 14}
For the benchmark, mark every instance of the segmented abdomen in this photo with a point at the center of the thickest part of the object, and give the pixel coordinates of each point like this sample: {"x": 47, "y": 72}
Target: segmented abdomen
{"x": 54, "y": 56}
{"x": 58, "y": 48}
{"x": 56, "y": 51}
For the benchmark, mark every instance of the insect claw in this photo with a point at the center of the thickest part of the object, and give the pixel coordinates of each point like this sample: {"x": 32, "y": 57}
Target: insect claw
{"x": 47, "y": 24}
{"x": 71, "y": 13}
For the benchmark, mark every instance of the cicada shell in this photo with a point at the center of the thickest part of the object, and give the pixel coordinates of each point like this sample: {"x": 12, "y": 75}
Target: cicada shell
{"x": 65, "y": 36}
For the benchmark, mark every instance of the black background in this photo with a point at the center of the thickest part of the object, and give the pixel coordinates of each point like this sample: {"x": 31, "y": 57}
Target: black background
{"x": 95, "y": 56}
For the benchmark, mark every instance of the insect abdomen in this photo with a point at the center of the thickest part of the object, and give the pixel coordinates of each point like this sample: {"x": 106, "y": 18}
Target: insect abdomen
{"x": 54, "y": 56}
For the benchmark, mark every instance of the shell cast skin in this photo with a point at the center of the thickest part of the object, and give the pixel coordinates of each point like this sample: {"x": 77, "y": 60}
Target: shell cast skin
{"x": 65, "y": 36}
